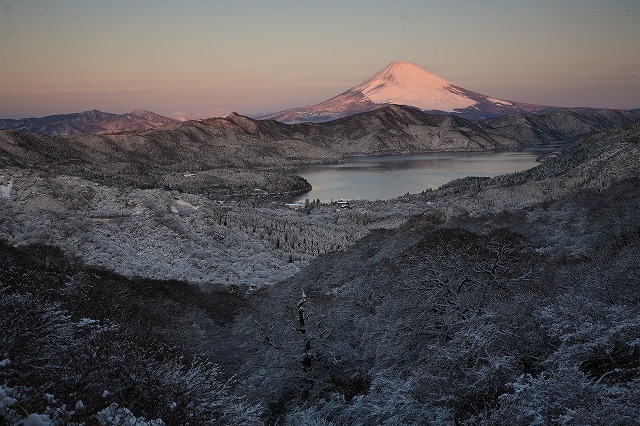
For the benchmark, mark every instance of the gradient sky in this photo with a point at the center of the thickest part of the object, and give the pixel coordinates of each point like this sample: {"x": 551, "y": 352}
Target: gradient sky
{"x": 61, "y": 56}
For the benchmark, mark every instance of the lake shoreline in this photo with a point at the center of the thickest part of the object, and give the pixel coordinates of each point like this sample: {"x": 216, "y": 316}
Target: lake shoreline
{"x": 384, "y": 177}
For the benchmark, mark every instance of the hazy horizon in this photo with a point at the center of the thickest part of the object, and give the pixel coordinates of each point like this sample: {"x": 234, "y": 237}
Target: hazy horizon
{"x": 256, "y": 57}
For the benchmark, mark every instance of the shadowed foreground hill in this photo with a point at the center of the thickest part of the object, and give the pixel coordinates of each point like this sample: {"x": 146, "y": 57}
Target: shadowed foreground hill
{"x": 514, "y": 314}
{"x": 85, "y": 346}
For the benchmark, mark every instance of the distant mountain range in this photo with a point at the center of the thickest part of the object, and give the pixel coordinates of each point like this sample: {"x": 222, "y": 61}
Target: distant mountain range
{"x": 235, "y": 154}
{"x": 89, "y": 122}
{"x": 237, "y": 141}
{"x": 399, "y": 83}
{"x": 403, "y": 83}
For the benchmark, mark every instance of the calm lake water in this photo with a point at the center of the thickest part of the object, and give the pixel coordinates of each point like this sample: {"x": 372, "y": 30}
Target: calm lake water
{"x": 388, "y": 176}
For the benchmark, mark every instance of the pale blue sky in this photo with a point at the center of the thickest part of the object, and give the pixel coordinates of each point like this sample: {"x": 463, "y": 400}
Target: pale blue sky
{"x": 259, "y": 56}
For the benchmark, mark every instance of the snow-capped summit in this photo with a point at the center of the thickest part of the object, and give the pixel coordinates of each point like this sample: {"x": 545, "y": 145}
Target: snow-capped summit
{"x": 404, "y": 83}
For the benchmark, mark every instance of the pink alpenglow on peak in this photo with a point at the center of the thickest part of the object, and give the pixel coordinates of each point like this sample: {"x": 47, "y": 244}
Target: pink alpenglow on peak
{"x": 404, "y": 83}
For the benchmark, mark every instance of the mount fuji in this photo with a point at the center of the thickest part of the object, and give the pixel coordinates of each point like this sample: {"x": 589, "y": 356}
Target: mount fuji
{"x": 404, "y": 83}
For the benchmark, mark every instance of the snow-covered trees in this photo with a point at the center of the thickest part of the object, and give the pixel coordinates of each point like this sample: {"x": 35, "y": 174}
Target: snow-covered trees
{"x": 501, "y": 301}
{"x": 162, "y": 234}
{"x": 498, "y": 319}
{"x": 72, "y": 352}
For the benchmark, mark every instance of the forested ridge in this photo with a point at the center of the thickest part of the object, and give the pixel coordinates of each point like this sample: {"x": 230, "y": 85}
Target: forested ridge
{"x": 470, "y": 320}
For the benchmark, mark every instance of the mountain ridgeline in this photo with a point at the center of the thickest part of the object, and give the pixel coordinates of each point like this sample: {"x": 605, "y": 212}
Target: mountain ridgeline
{"x": 88, "y": 123}
{"x": 239, "y": 141}
{"x": 399, "y": 83}
{"x": 197, "y": 156}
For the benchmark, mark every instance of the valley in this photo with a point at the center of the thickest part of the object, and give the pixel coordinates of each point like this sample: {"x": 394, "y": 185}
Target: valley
{"x": 204, "y": 202}
{"x": 467, "y": 304}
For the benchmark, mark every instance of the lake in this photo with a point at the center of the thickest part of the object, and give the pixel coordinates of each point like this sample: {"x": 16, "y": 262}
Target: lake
{"x": 388, "y": 176}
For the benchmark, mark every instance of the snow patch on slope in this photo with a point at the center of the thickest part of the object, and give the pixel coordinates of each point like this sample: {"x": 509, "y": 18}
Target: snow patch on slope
{"x": 499, "y": 101}
{"x": 5, "y": 192}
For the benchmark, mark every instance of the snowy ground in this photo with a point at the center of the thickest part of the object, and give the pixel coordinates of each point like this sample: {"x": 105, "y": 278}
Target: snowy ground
{"x": 160, "y": 234}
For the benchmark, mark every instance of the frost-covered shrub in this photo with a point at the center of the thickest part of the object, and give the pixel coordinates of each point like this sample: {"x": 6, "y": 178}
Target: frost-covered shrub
{"x": 46, "y": 349}
{"x": 35, "y": 335}
{"x": 565, "y": 396}
{"x": 389, "y": 402}
{"x": 15, "y": 411}
{"x": 121, "y": 416}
